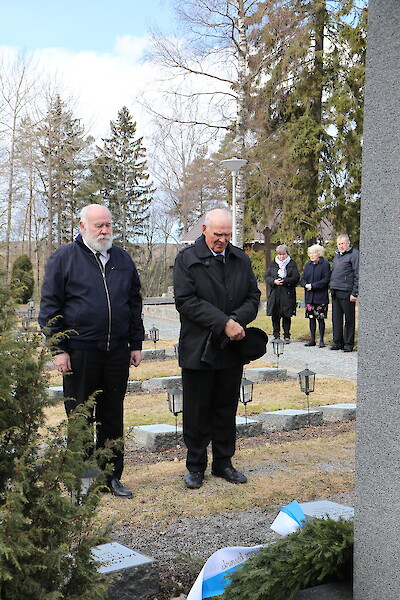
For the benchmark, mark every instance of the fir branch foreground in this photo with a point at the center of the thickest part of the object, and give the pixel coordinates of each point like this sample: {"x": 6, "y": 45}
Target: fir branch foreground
{"x": 320, "y": 552}
{"x": 48, "y": 524}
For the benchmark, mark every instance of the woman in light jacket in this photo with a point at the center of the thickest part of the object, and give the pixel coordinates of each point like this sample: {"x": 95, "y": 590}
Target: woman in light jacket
{"x": 282, "y": 277}
{"x": 315, "y": 281}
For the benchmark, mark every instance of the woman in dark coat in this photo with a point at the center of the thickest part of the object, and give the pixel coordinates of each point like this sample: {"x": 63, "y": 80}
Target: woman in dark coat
{"x": 282, "y": 277}
{"x": 315, "y": 281}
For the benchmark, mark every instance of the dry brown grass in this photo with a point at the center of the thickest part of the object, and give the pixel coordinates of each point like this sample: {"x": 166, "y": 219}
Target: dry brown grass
{"x": 306, "y": 470}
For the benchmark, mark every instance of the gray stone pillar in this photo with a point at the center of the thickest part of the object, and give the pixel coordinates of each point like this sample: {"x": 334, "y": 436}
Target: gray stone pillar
{"x": 377, "y": 506}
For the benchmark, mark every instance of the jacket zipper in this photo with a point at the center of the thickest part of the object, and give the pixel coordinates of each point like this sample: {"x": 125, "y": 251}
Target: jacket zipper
{"x": 103, "y": 272}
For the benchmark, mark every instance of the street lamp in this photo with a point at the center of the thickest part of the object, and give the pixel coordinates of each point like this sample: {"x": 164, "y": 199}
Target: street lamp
{"x": 234, "y": 164}
{"x": 175, "y": 405}
{"x": 307, "y": 385}
{"x": 246, "y": 396}
{"x": 154, "y": 335}
{"x": 278, "y": 346}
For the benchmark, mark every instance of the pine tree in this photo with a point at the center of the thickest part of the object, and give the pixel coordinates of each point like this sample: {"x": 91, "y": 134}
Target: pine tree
{"x": 47, "y": 522}
{"x": 120, "y": 179}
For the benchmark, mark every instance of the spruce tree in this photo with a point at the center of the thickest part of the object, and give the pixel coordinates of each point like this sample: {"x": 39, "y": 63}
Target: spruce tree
{"x": 307, "y": 111}
{"x": 22, "y": 280}
{"x": 120, "y": 179}
{"x": 47, "y": 521}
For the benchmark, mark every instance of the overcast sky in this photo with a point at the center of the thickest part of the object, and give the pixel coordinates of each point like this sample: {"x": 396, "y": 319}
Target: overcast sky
{"x": 95, "y": 47}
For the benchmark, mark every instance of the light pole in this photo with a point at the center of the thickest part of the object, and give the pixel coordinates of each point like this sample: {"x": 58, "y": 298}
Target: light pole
{"x": 234, "y": 164}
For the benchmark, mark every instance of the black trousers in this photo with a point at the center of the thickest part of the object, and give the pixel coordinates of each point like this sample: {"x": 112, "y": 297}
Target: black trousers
{"x": 210, "y": 400}
{"x": 343, "y": 310}
{"x": 106, "y": 373}
{"x": 276, "y": 325}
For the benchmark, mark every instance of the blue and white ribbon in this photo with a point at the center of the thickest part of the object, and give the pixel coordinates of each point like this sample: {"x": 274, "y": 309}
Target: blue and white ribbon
{"x": 214, "y": 576}
{"x": 290, "y": 518}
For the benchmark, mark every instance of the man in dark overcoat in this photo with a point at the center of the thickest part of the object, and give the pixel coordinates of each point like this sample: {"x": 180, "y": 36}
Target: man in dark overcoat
{"x": 216, "y": 295}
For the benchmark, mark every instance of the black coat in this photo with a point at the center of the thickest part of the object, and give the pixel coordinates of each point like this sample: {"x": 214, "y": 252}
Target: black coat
{"x": 318, "y": 274}
{"x": 207, "y": 292}
{"x": 100, "y": 314}
{"x": 282, "y": 298}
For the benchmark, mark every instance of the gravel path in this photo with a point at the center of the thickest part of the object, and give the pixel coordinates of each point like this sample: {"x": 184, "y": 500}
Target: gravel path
{"x": 296, "y": 356}
{"x": 324, "y": 361}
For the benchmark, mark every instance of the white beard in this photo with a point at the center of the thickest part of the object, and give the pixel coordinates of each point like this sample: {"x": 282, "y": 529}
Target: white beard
{"x": 101, "y": 243}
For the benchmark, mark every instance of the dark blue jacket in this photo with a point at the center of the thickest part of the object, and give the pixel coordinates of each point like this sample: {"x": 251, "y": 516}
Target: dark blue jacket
{"x": 99, "y": 313}
{"x": 318, "y": 275}
{"x": 207, "y": 292}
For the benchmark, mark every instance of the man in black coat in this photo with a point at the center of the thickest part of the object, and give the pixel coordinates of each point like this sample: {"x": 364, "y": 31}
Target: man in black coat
{"x": 91, "y": 290}
{"x": 344, "y": 289}
{"x": 216, "y": 295}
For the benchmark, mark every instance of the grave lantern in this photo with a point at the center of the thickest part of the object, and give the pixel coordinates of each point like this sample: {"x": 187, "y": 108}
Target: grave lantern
{"x": 176, "y": 350}
{"x": 154, "y": 335}
{"x": 307, "y": 385}
{"x": 31, "y": 305}
{"x": 246, "y": 395}
{"x": 175, "y": 405}
{"x": 278, "y": 347}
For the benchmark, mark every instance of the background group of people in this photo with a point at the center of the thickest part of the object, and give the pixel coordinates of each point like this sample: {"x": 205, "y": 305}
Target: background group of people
{"x": 91, "y": 309}
{"x": 283, "y": 276}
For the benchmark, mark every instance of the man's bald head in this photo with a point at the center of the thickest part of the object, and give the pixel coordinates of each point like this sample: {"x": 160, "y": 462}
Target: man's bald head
{"x": 217, "y": 229}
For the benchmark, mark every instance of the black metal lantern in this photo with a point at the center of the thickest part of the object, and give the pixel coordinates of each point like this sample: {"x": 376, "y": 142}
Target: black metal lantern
{"x": 246, "y": 391}
{"x": 307, "y": 385}
{"x": 307, "y": 381}
{"x": 278, "y": 347}
{"x": 154, "y": 335}
{"x": 31, "y": 305}
{"x": 176, "y": 350}
{"x": 246, "y": 396}
{"x": 25, "y": 323}
{"x": 175, "y": 405}
{"x": 175, "y": 397}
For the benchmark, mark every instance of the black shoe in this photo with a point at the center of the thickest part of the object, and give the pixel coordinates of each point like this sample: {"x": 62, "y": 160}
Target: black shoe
{"x": 117, "y": 489}
{"x": 336, "y": 347}
{"x": 310, "y": 344}
{"x": 230, "y": 474}
{"x": 321, "y": 345}
{"x": 286, "y": 340}
{"x": 347, "y": 349}
{"x": 194, "y": 480}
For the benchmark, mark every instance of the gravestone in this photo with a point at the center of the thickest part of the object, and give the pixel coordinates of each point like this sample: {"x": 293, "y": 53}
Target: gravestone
{"x": 134, "y": 575}
{"x": 377, "y": 506}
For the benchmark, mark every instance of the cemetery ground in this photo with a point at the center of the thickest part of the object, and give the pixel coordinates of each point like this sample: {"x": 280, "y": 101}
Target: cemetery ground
{"x": 181, "y": 528}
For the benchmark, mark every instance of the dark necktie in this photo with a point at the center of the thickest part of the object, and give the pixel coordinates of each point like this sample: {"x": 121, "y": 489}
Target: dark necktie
{"x": 220, "y": 257}
{"x": 98, "y": 255}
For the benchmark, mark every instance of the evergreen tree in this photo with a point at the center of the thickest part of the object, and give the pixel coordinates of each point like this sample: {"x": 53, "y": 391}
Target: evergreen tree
{"x": 22, "y": 280}
{"x": 307, "y": 109}
{"x": 120, "y": 180}
{"x": 47, "y": 521}
{"x": 64, "y": 149}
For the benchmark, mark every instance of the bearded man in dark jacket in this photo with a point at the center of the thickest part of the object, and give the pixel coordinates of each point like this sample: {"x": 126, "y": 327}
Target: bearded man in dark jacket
{"x": 216, "y": 295}
{"x": 91, "y": 296}
{"x": 344, "y": 290}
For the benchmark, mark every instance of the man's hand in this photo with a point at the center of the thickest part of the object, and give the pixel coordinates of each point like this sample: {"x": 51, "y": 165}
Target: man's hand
{"x": 62, "y": 362}
{"x": 278, "y": 281}
{"x": 234, "y": 330}
{"x": 308, "y": 286}
{"x": 353, "y": 298}
{"x": 136, "y": 358}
